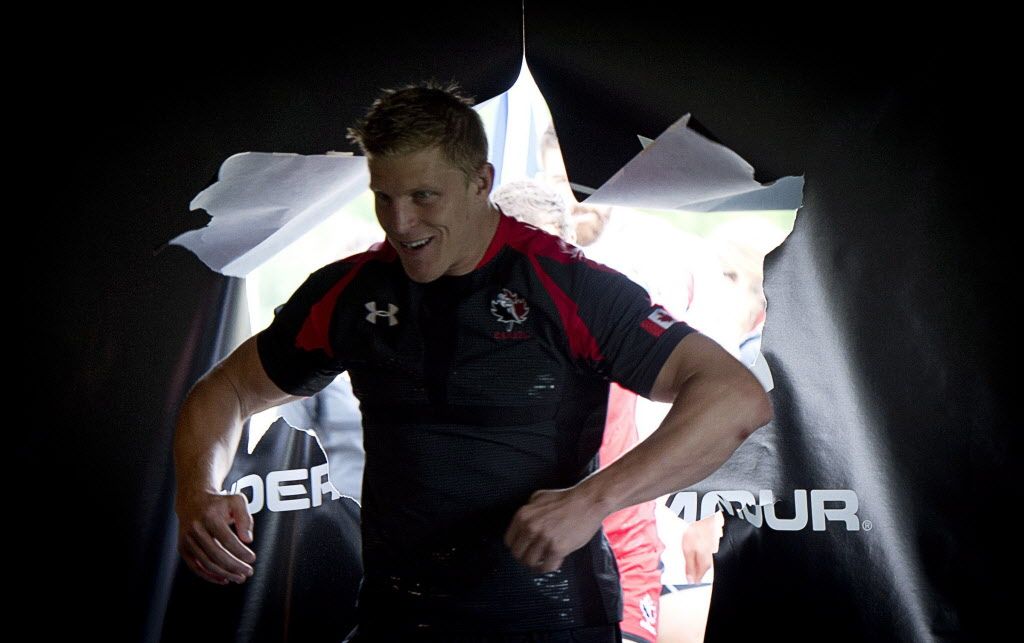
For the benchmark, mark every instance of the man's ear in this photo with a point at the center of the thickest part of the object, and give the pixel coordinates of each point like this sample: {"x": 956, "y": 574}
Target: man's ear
{"x": 484, "y": 179}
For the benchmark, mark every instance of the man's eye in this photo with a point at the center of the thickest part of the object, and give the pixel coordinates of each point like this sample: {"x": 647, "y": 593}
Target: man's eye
{"x": 422, "y": 194}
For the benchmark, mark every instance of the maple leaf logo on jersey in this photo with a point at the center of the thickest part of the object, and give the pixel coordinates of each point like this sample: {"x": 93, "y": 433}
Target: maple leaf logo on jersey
{"x": 509, "y": 308}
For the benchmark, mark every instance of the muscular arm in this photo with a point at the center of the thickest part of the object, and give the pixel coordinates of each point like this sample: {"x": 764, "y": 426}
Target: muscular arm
{"x": 205, "y": 440}
{"x": 716, "y": 404}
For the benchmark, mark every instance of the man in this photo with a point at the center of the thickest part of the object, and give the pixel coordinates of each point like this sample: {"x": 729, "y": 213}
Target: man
{"x": 480, "y": 350}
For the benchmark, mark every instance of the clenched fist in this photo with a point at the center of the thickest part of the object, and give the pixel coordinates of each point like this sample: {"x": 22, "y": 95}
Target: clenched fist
{"x": 552, "y": 525}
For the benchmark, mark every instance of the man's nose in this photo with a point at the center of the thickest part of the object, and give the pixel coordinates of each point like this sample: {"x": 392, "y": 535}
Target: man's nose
{"x": 400, "y": 217}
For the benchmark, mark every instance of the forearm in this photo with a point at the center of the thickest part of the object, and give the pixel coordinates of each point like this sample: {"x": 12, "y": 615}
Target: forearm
{"x": 710, "y": 417}
{"x": 207, "y": 435}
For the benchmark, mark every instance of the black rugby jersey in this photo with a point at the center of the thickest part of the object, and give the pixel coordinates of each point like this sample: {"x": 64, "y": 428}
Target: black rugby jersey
{"x": 476, "y": 390}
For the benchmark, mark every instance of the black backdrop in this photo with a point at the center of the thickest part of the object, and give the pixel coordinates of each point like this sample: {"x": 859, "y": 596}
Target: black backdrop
{"x": 884, "y": 331}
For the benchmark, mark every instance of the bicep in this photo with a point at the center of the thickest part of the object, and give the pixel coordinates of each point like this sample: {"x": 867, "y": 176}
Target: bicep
{"x": 697, "y": 354}
{"x": 244, "y": 371}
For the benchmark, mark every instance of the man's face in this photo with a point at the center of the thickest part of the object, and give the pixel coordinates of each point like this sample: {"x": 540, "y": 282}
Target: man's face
{"x": 436, "y": 222}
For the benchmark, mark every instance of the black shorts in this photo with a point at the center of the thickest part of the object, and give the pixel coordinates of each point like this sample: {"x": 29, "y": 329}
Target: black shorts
{"x": 598, "y": 634}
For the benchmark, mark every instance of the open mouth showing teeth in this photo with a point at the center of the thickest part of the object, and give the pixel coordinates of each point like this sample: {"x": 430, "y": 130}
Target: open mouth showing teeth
{"x": 416, "y": 245}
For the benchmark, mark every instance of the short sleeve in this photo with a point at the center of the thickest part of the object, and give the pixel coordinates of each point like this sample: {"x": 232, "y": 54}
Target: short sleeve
{"x": 297, "y": 349}
{"x": 633, "y": 335}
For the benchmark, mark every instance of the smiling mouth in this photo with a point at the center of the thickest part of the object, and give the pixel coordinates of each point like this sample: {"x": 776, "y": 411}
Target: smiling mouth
{"x": 416, "y": 245}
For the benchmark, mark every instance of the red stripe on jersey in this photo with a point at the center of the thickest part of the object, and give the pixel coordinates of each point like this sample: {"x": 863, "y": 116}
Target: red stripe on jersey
{"x": 581, "y": 342}
{"x": 315, "y": 332}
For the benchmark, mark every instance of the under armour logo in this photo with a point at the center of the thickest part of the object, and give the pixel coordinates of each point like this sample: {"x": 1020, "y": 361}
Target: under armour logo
{"x": 377, "y": 314}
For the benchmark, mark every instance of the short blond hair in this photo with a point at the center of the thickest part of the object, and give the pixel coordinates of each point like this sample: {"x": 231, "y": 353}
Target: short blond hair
{"x": 421, "y": 116}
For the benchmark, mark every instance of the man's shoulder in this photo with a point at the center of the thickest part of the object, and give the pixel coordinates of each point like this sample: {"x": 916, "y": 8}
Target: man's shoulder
{"x": 531, "y": 241}
{"x": 555, "y": 254}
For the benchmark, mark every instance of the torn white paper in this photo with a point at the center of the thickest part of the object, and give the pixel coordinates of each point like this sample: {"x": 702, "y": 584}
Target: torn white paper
{"x": 683, "y": 170}
{"x": 262, "y": 202}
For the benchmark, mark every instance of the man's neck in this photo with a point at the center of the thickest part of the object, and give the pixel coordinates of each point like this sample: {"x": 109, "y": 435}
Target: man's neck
{"x": 489, "y": 228}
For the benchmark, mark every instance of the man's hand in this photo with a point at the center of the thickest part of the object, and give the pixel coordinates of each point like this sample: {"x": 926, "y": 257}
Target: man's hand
{"x": 700, "y": 541}
{"x": 205, "y": 441}
{"x": 206, "y": 541}
{"x": 552, "y": 525}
